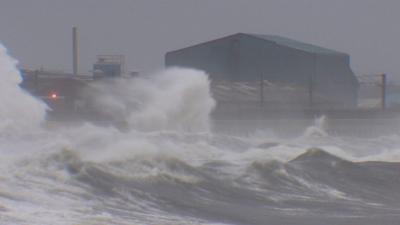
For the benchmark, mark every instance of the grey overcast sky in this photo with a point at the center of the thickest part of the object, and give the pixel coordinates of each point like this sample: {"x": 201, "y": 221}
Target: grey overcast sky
{"x": 38, "y": 32}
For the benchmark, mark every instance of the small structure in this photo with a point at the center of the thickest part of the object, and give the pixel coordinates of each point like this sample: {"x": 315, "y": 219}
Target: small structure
{"x": 109, "y": 66}
{"x": 61, "y": 91}
{"x": 271, "y": 69}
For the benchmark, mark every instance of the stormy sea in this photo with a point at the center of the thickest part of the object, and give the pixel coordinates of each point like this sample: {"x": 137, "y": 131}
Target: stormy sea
{"x": 172, "y": 164}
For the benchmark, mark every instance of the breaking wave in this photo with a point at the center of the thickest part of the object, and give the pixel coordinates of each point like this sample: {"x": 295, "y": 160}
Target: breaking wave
{"x": 174, "y": 99}
{"x": 19, "y": 112}
{"x": 159, "y": 188}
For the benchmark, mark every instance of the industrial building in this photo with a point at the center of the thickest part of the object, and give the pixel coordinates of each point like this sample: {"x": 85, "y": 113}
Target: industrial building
{"x": 272, "y": 72}
{"x": 250, "y": 75}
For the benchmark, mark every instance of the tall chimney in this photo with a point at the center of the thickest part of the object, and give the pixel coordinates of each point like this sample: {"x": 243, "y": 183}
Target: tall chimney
{"x": 75, "y": 48}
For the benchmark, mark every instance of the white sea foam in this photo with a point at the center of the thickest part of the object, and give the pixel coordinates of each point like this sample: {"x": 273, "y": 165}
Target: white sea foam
{"x": 19, "y": 111}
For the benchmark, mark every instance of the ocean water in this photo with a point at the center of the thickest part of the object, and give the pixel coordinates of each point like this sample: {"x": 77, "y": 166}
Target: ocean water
{"x": 176, "y": 166}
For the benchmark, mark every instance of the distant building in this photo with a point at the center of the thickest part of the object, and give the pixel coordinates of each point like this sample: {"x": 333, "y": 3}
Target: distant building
{"x": 264, "y": 62}
{"x": 61, "y": 91}
{"x": 109, "y": 66}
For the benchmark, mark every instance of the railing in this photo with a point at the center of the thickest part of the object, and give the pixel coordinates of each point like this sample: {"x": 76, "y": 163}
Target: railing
{"x": 373, "y": 94}
{"x": 373, "y": 91}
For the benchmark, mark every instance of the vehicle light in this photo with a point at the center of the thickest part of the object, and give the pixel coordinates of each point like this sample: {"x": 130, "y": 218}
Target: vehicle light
{"x": 53, "y": 96}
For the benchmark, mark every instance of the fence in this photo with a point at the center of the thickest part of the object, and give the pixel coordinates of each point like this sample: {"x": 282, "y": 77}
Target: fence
{"x": 374, "y": 93}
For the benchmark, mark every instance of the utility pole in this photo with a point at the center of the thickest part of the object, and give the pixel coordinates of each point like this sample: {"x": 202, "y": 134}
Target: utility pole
{"x": 311, "y": 84}
{"x": 262, "y": 90}
{"x": 75, "y": 50}
{"x": 383, "y": 91}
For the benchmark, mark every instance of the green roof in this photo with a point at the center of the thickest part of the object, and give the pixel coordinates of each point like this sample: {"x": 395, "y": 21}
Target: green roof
{"x": 295, "y": 44}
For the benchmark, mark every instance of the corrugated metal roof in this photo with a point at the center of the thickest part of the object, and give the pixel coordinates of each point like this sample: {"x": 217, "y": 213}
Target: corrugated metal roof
{"x": 295, "y": 44}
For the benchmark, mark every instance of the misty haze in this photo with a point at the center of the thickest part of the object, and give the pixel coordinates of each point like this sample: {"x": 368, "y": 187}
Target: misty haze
{"x": 273, "y": 112}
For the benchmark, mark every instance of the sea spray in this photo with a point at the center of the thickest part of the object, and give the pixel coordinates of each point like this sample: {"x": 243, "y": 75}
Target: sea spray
{"x": 19, "y": 111}
{"x": 174, "y": 99}
{"x": 318, "y": 129}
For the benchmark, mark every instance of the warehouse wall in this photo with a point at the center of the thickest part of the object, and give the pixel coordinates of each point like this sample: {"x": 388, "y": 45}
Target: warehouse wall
{"x": 246, "y": 58}
{"x": 212, "y": 57}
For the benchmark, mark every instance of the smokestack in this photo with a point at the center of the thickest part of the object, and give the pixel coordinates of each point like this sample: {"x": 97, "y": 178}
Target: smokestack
{"x": 75, "y": 47}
